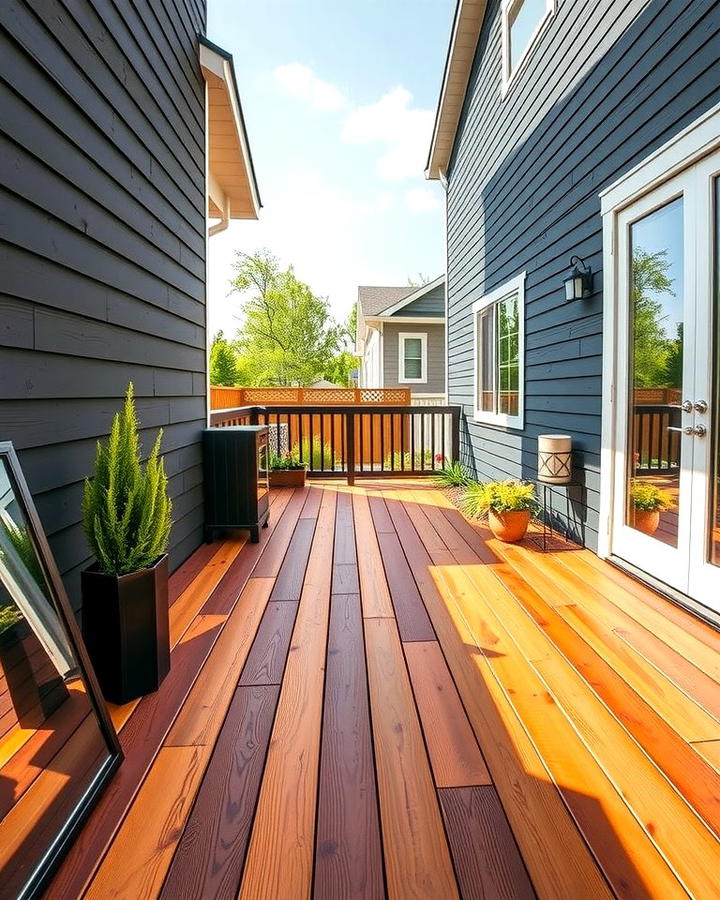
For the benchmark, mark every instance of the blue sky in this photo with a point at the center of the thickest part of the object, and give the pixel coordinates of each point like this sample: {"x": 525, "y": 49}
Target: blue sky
{"x": 339, "y": 99}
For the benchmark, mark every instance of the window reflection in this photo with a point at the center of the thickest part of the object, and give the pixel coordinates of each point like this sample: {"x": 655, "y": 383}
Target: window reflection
{"x": 51, "y": 743}
{"x": 715, "y": 420}
{"x": 656, "y": 362}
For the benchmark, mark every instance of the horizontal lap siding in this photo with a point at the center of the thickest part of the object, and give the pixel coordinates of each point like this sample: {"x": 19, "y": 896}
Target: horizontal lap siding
{"x": 606, "y": 85}
{"x": 102, "y": 247}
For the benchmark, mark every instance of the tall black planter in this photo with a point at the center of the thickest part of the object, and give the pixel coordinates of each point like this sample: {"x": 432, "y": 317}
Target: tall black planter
{"x": 125, "y": 625}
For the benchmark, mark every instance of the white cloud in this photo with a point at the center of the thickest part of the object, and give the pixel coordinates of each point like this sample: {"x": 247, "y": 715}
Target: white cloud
{"x": 299, "y": 81}
{"x": 404, "y": 131}
{"x": 422, "y": 199}
{"x": 314, "y": 225}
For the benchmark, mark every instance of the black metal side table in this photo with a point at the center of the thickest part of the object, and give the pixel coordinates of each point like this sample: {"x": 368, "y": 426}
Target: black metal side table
{"x": 550, "y": 538}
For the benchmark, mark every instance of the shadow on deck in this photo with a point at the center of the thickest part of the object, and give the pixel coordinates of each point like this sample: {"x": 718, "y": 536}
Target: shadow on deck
{"x": 381, "y": 700}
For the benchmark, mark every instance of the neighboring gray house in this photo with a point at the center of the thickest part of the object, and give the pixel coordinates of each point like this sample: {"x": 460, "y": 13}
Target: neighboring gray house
{"x": 401, "y": 339}
{"x": 586, "y": 137}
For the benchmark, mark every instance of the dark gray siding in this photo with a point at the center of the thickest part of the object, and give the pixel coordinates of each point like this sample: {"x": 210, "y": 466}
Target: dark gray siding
{"x": 102, "y": 246}
{"x": 436, "y": 356}
{"x": 606, "y": 85}
{"x": 430, "y": 304}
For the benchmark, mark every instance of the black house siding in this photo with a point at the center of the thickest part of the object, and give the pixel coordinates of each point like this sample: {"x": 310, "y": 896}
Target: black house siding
{"x": 102, "y": 247}
{"x": 606, "y": 85}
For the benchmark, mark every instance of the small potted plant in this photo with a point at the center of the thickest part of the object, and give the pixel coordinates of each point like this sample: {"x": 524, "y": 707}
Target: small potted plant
{"x": 507, "y": 505}
{"x": 647, "y": 501}
{"x": 286, "y": 470}
{"x": 126, "y": 518}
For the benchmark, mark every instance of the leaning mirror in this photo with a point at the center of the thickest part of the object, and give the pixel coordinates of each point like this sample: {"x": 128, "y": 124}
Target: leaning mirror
{"x": 57, "y": 746}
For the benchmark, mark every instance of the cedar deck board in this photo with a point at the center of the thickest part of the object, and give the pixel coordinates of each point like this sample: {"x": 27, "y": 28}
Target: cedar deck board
{"x": 209, "y": 859}
{"x": 266, "y": 662}
{"x": 402, "y": 543}
{"x": 348, "y": 859}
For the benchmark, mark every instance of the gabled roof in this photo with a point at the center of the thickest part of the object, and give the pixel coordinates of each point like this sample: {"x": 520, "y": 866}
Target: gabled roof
{"x": 373, "y": 299}
{"x": 469, "y": 15}
{"x": 232, "y": 185}
{"x": 415, "y": 294}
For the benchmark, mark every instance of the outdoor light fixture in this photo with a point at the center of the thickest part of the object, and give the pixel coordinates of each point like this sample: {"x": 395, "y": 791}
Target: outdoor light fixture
{"x": 579, "y": 284}
{"x": 555, "y": 458}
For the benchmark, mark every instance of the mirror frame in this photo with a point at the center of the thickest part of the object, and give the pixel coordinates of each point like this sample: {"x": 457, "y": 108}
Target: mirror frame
{"x": 62, "y": 842}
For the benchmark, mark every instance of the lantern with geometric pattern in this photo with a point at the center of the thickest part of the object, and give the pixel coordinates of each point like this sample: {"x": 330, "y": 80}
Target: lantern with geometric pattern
{"x": 555, "y": 458}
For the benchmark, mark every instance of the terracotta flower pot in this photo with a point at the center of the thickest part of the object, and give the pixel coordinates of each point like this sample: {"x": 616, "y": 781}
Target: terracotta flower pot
{"x": 287, "y": 477}
{"x": 509, "y": 526}
{"x": 646, "y": 520}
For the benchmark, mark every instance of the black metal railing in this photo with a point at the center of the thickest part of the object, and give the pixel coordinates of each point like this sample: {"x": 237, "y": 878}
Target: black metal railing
{"x": 656, "y": 439}
{"x": 369, "y": 441}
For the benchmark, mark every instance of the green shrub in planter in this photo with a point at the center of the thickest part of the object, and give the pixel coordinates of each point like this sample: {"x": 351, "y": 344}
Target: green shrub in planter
{"x": 126, "y": 511}
{"x": 126, "y": 518}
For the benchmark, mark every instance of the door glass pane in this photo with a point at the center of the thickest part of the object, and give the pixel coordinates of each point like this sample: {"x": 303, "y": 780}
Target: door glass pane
{"x": 655, "y": 369}
{"x": 714, "y": 417}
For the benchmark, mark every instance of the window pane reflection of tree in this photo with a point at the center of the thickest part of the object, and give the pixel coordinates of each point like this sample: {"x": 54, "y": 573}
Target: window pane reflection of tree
{"x": 656, "y": 359}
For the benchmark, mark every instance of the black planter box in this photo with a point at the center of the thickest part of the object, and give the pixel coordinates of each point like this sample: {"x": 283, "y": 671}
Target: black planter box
{"x": 125, "y": 625}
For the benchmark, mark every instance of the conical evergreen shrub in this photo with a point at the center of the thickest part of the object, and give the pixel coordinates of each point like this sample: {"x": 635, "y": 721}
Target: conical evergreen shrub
{"x": 126, "y": 510}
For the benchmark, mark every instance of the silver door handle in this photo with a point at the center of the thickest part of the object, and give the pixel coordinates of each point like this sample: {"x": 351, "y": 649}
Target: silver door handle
{"x": 686, "y": 406}
{"x": 688, "y": 429}
{"x": 699, "y": 431}
{"x": 701, "y": 406}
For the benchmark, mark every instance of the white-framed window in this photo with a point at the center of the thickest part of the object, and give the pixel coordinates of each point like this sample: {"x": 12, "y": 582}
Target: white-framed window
{"x": 412, "y": 357}
{"x": 522, "y": 23}
{"x": 499, "y": 328}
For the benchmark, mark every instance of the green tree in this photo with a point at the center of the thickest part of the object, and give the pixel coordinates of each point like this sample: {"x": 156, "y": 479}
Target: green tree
{"x": 651, "y": 347}
{"x": 223, "y": 362}
{"x": 339, "y": 368}
{"x": 288, "y": 336}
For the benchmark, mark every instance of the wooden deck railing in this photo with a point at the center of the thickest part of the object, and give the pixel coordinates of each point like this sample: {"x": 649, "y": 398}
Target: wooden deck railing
{"x": 656, "y": 439}
{"x": 379, "y": 441}
{"x": 229, "y": 397}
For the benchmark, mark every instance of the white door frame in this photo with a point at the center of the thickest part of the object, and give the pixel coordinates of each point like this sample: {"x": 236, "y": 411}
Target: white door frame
{"x": 686, "y": 149}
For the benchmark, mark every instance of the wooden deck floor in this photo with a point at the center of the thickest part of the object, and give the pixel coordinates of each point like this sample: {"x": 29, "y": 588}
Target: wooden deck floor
{"x": 380, "y": 700}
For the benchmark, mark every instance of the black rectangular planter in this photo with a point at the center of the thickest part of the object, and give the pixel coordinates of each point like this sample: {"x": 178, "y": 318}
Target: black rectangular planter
{"x": 125, "y": 625}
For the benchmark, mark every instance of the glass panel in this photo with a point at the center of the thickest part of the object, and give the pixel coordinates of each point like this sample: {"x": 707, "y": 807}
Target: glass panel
{"x": 715, "y": 418}
{"x": 508, "y": 355}
{"x": 412, "y": 352}
{"x": 655, "y": 372}
{"x": 51, "y": 744}
{"x": 486, "y": 363}
{"x": 413, "y": 368}
{"x": 523, "y": 18}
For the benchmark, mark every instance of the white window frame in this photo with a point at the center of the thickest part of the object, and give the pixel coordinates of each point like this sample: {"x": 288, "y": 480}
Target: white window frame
{"x": 515, "y": 286}
{"x": 402, "y": 337}
{"x": 508, "y": 76}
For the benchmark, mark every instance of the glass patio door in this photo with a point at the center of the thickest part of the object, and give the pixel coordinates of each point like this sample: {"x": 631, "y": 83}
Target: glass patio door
{"x": 667, "y": 499}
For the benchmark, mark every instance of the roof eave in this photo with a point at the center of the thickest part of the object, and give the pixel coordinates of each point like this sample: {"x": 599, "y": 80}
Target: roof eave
{"x": 469, "y": 15}
{"x": 218, "y": 61}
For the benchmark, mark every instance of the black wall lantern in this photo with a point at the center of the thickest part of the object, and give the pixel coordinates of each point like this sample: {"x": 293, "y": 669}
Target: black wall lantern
{"x": 579, "y": 284}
